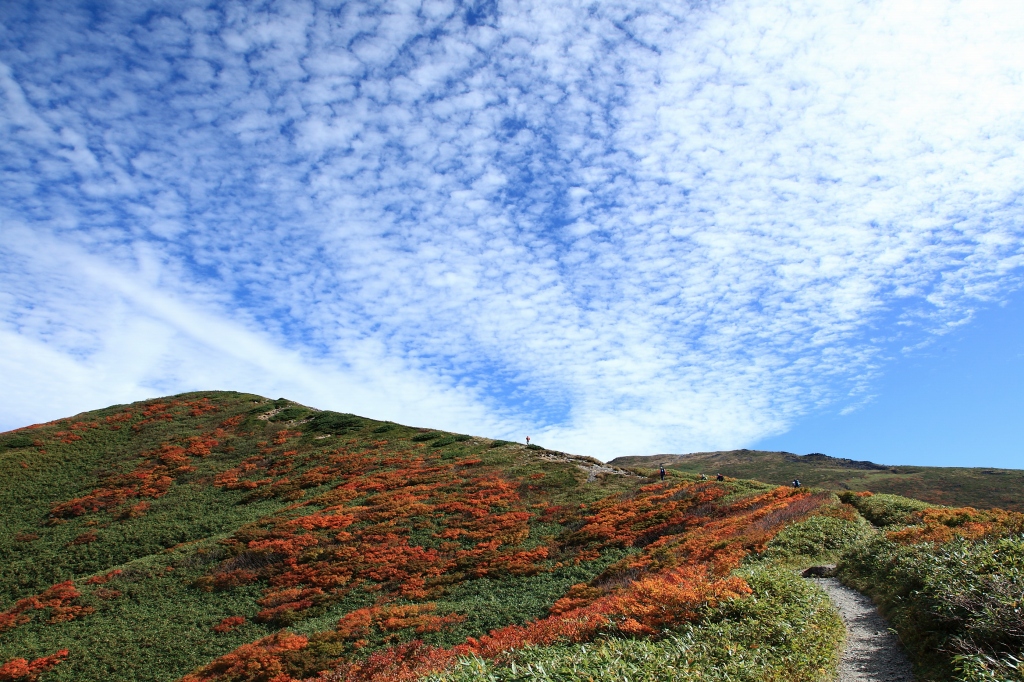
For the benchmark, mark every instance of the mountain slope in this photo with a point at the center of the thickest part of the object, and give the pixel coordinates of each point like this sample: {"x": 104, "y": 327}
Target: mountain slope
{"x": 224, "y": 536}
{"x": 980, "y": 487}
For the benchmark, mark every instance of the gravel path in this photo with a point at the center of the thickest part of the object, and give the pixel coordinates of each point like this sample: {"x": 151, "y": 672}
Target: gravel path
{"x": 872, "y": 653}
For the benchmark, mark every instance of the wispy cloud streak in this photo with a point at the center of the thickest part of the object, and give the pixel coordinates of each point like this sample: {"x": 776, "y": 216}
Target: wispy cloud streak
{"x": 626, "y": 229}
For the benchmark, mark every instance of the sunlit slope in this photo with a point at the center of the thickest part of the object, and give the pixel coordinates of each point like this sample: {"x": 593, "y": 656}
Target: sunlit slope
{"x": 224, "y": 536}
{"x": 163, "y": 491}
{"x": 981, "y": 487}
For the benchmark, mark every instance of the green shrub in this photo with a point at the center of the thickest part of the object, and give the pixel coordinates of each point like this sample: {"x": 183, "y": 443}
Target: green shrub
{"x": 961, "y": 600}
{"x": 334, "y": 422}
{"x": 384, "y": 428}
{"x": 787, "y": 631}
{"x": 19, "y": 441}
{"x": 533, "y": 446}
{"x": 986, "y": 669}
{"x": 448, "y": 440}
{"x": 885, "y": 510}
{"x": 501, "y": 443}
{"x": 819, "y": 539}
{"x": 423, "y": 437}
{"x": 290, "y": 413}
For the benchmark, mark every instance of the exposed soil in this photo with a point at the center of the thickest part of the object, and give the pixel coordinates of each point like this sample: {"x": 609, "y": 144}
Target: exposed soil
{"x": 872, "y": 652}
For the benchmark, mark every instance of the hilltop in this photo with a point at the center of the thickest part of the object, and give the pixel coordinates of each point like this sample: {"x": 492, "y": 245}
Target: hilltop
{"x": 980, "y": 487}
{"x": 225, "y": 537}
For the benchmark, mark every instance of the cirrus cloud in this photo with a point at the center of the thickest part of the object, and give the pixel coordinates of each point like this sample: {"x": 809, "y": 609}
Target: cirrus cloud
{"x": 622, "y": 228}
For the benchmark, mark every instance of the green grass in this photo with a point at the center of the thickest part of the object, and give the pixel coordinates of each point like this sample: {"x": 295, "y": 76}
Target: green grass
{"x": 818, "y": 540}
{"x": 885, "y": 510}
{"x": 159, "y": 628}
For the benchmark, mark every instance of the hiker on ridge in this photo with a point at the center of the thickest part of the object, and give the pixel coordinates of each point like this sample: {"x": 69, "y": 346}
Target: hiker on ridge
{"x": 719, "y": 477}
{"x": 527, "y": 440}
{"x": 663, "y": 472}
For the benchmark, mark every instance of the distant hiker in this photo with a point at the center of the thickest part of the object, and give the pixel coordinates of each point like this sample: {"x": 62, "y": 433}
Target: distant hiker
{"x": 796, "y": 482}
{"x": 663, "y": 473}
{"x": 703, "y": 477}
{"x": 527, "y": 440}
{"x": 719, "y": 477}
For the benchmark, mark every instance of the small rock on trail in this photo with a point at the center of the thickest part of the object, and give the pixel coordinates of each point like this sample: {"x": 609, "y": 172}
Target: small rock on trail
{"x": 872, "y": 652}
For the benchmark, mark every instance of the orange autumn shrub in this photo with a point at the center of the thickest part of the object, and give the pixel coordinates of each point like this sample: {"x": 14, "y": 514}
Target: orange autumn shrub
{"x": 420, "y": 618}
{"x": 102, "y": 579}
{"x": 260, "y": 661}
{"x": 58, "y": 599}
{"x": 152, "y": 478}
{"x": 22, "y": 670}
{"x": 198, "y": 408}
{"x": 154, "y": 412}
{"x": 939, "y": 525}
{"x": 653, "y": 603}
{"x": 228, "y": 624}
{"x": 325, "y": 552}
{"x": 357, "y": 536}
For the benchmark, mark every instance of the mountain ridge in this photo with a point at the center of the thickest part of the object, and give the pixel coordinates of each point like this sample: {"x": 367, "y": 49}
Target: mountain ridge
{"x": 979, "y": 487}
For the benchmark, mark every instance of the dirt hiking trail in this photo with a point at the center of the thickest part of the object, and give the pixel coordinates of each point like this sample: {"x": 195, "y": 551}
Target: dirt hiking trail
{"x": 872, "y": 652}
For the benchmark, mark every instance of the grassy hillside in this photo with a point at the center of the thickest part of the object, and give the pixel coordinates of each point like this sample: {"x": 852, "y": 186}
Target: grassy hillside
{"x": 980, "y": 487}
{"x": 226, "y": 537}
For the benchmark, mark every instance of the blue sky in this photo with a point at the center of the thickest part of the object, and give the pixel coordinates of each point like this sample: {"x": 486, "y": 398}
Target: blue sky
{"x": 620, "y": 228}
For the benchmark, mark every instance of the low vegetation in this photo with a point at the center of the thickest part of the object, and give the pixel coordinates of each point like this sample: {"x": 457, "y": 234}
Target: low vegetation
{"x": 785, "y": 631}
{"x": 821, "y": 539}
{"x": 951, "y": 581}
{"x": 223, "y": 537}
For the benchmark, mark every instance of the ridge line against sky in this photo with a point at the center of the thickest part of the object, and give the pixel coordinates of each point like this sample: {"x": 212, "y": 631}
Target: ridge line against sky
{"x": 621, "y": 228}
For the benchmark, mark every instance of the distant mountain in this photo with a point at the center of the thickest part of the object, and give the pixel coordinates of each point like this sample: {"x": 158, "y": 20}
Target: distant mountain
{"x": 981, "y": 487}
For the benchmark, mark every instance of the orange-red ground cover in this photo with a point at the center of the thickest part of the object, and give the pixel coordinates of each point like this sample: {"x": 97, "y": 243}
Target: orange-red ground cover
{"x": 690, "y": 541}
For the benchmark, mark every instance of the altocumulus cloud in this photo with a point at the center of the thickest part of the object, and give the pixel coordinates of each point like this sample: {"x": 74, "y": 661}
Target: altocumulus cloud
{"x": 621, "y": 228}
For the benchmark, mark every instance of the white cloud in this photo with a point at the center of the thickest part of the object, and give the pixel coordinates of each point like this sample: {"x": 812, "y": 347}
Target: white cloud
{"x": 631, "y": 229}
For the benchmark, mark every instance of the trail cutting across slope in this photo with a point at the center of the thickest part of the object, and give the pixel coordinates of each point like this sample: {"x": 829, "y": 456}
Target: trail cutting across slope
{"x": 872, "y": 652}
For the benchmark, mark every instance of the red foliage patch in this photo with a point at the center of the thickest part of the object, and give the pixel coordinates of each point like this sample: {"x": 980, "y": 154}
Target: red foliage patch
{"x": 261, "y": 661}
{"x": 152, "y": 478}
{"x": 22, "y": 670}
{"x": 939, "y": 525}
{"x": 690, "y": 543}
{"x": 155, "y": 412}
{"x": 103, "y": 579}
{"x": 59, "y": 599}
{"x": 229, "y": 624}
{"x": 200, "y": 446}
{"x": 198, "y": 408}
{"x": 85, "y": 538}
{"x": 420, "y": 618}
